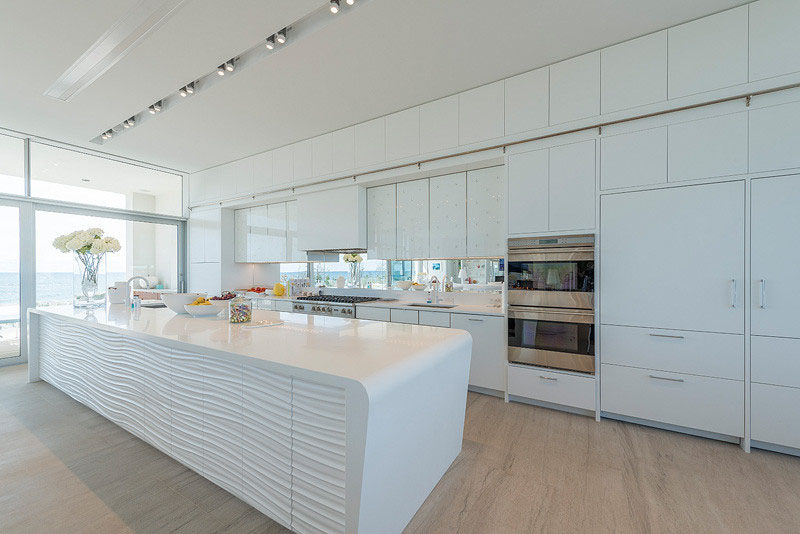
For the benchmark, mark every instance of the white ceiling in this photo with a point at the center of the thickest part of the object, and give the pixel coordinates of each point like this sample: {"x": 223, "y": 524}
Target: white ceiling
{"x": 385, "y": 56}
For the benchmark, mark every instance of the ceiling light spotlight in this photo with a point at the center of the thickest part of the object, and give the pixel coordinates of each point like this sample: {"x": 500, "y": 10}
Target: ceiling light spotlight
{"x": 229, "y": 66}
{"x": 270, "y": 42}
{"x": 104, "y": 135}
{"x": 129, "y": 122}
{"x": 281, "y": 36}
{"x": 351, "y": 2}
{"x": 155, "y": 108}
{"x": 221, "y": 70}
{"x": 183, "y": 92}
{"x": 334, "y": 6}
{"x": 108, "y": 135}
{"x": 190, "y": 88}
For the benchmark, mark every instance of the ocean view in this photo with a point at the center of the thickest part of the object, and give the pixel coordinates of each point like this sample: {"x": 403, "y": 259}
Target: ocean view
{"x": 51, "y": 288}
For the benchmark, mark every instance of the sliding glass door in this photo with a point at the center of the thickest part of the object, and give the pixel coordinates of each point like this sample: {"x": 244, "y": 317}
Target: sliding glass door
{"x": 9, "y": 281}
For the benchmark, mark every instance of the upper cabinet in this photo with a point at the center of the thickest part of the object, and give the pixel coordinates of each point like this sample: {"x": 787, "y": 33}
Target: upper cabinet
{"x": 634, "y": 73}
{"x": 448, "y": 213}
{"x": 634, "y": 158}
{"x": 302, "y": 161}
{"x": 438, "y": 125}
{"x": 262, "y": 171}
{"x": 527, "y": 101}
{"x": 344, "y": 149}
{"x": 205, "y": 241}
{"x": 332, "y": 219}
{"x": 283, "y": 165}
{"x": 575, "y": 88}
{"x": 266, "y": 233}
{"x": 486, "y": 222}
{"x": 382, "y": 222}
{"x": 707, "y": 148}
{"x": 708, "y": 53}
{"x": 481, "y": 113}
{"x": 402, "y": 134}
{"x": 293, "y": 252}
{"x": 774, "y": 39}
{"x": 774, "y": 137}
{"x": 413, "y": 220}
{"x": 322, "y": 155}
{"x": 371, "y": 142}
{"x": 552, "y": 189}
{"x": 276, "y": 232}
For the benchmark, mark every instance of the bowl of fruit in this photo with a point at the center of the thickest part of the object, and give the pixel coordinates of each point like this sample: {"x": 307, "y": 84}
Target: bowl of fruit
{"x": 177, "y": 301}
{"x": 203, "y": 307}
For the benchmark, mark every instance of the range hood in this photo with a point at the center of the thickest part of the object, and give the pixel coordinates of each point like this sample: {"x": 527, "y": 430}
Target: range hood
{"x": 332, "y": 221}
{"x": 330, "y": 255}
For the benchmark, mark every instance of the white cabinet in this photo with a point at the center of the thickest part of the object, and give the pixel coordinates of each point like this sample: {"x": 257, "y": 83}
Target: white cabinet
{"x": 674, "y": 258}
{"x": 237, "y": 178}
{"x": 322, "y": 155}
{"x": 528, "y": 178}
{"x": 486, "y": 222}
{"x": 370, "y": 142}
{"x": 382, "y": 222}
{"x": 196, "y": 188}
{"x": 434, "y": 318}
{"x": 575, "y": 88}
{"x": 293, "y": 252}
{"x": 438, "y": 125}
{"x": 283, "y": 305}
{"x": 774, "y": 137}
{"x": 283, "y": 165}
{"x": 257, "y": 240}
{"x": 413, "y": 221}
{"x": 302, "y": 160}
{"x": 205, "y": 239}
{"x": 240, "y": 234}
{"x": 332, "y": 219}
{"x": 551, "y": 386}
{"x": 481, "y": 113}
{"x": 633, "y": 159}
{"x": 262, "y": 171}
{"x": 276, "y": 232}
{"x": 527, "y": 101}
{"x": 572, "y": 186}
{"x": 373, "y": 313}
{"x": 774, "y": 39}
{"x": 634, "y": 73}
{"x": 708, "y": 53}
{"x": 402, "y": 134}
{"x": 488, "y": 366}
{"x": 775, "y": 218}
{"x": 344, "y": 149}
{"x": 448, "y": 216}
{"x": 775, "y": 361}
{"x": 404, "y": 316}
{"x": 774, "y": 415}
{"x": 707, "y": 148}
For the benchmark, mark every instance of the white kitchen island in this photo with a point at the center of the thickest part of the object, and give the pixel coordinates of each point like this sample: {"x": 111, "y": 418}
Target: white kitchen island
{"x": 324, "y": 424}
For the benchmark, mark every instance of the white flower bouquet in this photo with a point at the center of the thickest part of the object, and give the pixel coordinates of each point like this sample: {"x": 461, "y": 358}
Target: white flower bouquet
{"x": 90, "y": 248}
{"x": 352, "y": 258}
{"x": 354, "y": 264}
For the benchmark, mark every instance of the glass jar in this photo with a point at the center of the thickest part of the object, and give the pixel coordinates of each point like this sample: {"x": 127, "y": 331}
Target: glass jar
{"x": 241, "y": 310}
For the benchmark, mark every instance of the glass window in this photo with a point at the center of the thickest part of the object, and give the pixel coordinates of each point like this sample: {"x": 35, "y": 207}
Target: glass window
{"x": 148, "y": 249}
{"x": 291, "y": 271}
{"x": 72, "y": 176}
{"x": 373, "y": 273}
{"x": 12, "y": 158}
{"x": 9, "y": 282}
{"x": 477, "y": 274}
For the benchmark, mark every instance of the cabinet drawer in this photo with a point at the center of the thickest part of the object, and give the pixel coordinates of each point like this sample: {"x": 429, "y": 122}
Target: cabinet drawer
{"x": 710, "y": 404}
{"x": 774, "y": 417}
{"x": 283, "y": 305}
{"x": 697, "y": 353}
{"x": 548, "y": 386}
{"x": 775, "y": 360}
{"x": 404, "y": 316}
{"x": 373, "y": 314}
{"x": 432, "y": 318}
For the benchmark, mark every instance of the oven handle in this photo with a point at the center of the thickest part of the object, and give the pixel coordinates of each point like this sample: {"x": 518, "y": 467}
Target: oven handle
{"x": 564, "y": 315}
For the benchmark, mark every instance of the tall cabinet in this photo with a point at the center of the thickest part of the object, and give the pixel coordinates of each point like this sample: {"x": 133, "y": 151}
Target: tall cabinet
{"x": 266, "y": 233}
{"x": 672, "y": 295}
{"x": 775, "y": 315}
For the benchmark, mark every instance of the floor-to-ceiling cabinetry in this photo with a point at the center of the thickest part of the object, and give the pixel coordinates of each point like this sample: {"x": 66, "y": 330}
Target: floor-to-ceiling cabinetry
{"x": 775, "y": 315}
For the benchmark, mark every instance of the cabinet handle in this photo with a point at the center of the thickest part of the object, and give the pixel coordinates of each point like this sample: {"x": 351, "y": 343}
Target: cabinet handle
{"x": 666, "y": 378}
{"x": 733, "y": 293}
{"x": 667, "y": 335}
{"x": 476, "y": 320}
{"x": 762, "y": 303}
{"x": 548, "y": 378}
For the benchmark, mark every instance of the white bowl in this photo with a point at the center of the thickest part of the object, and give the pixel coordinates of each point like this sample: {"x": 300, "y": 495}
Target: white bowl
{"x": 419, "y": 287}
{"x": 206, "y": 310}
{"x": 403, "y": 284}
{"x": 176, "y": 301}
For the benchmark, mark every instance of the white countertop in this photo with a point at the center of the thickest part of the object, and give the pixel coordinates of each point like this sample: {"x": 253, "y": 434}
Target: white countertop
{"x": 347, "y": 348}
{"x": 477, "y": 309}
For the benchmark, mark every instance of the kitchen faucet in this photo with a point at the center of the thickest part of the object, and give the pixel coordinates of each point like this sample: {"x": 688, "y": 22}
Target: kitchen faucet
{"x": 128, "y": 296}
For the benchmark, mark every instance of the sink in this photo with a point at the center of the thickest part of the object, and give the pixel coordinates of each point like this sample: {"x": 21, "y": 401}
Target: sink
{"x": 426, "y": 305}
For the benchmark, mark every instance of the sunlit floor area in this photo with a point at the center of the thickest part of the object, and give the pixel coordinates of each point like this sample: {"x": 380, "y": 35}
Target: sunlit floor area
{"x": 522, "y": 469}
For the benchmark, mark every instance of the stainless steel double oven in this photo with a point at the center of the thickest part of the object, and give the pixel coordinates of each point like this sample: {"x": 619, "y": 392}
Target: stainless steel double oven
{"x": 551, "y": 302}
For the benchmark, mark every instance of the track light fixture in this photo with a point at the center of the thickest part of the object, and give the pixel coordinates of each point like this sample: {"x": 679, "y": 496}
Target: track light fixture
{"x": 221, "y": 70}
{"x": 229, "y": 66}
{"x": 334, "y": 6}
{"x": 350, "y": 2}
{"x": 281, "y": 36}
{"x": 108, "y": 135}
{"x": 129, "y": 122}
{"x": 155, "y": 108}
{"x": 190, "y": 88}
{"x": 104, "y": 135}
{"x": 270, "y": 42}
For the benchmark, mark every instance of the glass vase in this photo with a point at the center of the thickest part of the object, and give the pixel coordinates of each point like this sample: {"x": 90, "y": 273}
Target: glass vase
{"x": 354, "y": 276}
{"x": 89, "y": 281}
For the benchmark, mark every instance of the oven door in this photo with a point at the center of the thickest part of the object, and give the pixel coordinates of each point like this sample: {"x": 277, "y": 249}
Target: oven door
{"x": 562, "y": 278}
{"x": 562, "y": 339}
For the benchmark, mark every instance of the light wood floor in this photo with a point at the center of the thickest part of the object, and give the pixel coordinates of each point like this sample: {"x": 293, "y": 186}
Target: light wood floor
{"x": 65, "y": 469}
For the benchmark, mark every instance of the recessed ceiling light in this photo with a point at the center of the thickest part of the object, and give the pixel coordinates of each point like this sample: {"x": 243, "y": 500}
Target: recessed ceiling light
{"x": 334, "y": 6}
{"x": 270, "y": 42}
{"x": 281, "y": 36}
